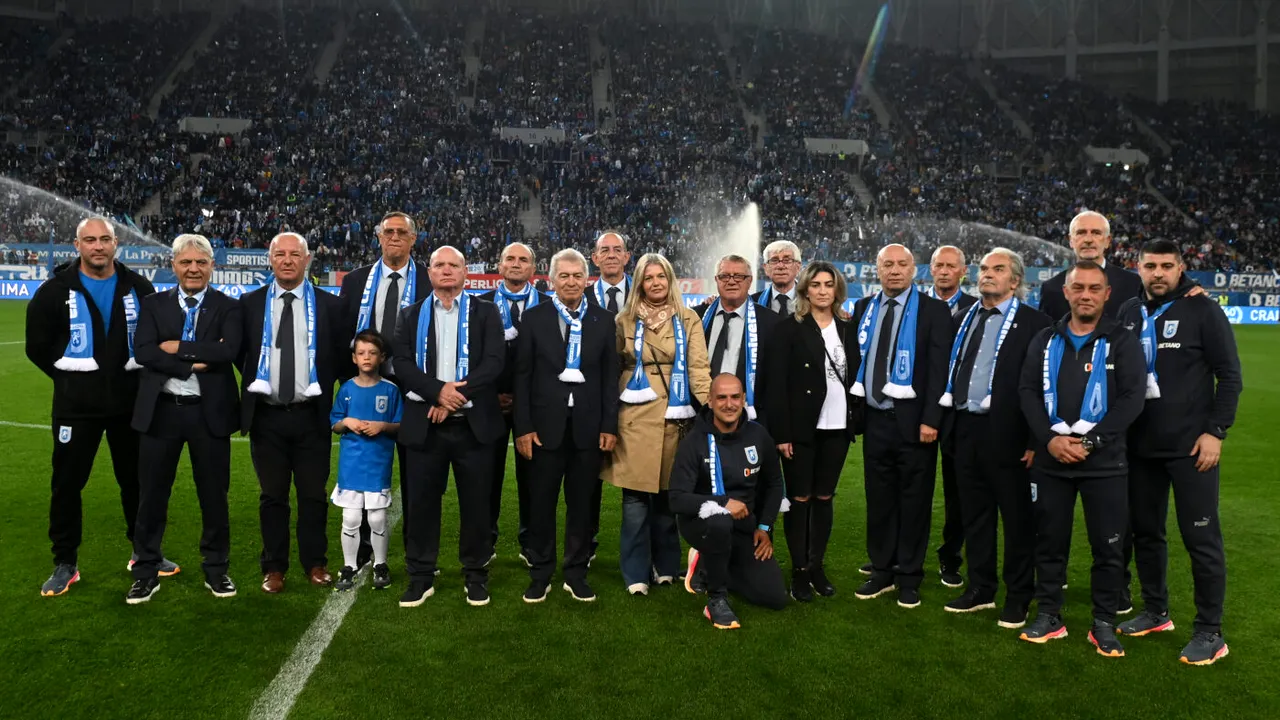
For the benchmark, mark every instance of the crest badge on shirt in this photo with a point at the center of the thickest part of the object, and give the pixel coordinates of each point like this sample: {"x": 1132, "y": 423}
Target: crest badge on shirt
{"x": 1170, "y": 328}
{"x": 753, "y": 457}
{"x": 381, "y": 403}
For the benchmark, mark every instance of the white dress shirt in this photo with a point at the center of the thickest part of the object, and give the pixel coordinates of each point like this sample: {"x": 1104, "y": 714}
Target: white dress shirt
{"x": 188, "y": 386}
{"x": 301, "y": 373}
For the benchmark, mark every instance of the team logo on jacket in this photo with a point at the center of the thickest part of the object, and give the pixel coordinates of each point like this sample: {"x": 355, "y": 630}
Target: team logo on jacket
{"x": 64, "y": 434}
{"x": 753, "y": 457}
{"x": 381, "y": 403}
{"x": 1170, "y": 328}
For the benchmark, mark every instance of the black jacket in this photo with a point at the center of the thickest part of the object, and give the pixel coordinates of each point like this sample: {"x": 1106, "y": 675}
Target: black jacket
{"x": 542, "y": 399}
{"x": 332, "y": 343}
{"x": 507, "y": 380}
{"x": 111, "y": 389}
{"x": 1009, "y": 437}
{"x": 219, "y": 333}
{"x": 801, "y": 383}
{"x": 1125, "y": 285}
{"x": 1126, "y": 387}
{"x": 768, "y": 362}
{"x": 748, "y": 465}
{"x": 488, "y": 353}
{"x": 350, "y": 295}
{"x": 1195, "y": 346}
{"x": 934, "y": 331}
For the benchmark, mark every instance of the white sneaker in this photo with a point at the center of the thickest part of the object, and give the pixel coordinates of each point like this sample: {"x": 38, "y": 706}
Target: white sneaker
{"x": 637, "y": 589}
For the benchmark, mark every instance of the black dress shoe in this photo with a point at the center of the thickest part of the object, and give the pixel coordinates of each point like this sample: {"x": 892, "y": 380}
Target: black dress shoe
{"x": 821, "y": 585}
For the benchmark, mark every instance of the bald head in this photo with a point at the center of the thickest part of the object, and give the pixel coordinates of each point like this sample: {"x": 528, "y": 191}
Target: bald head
{"x": 727, "y": 400}
{"x": 896, "y": 267}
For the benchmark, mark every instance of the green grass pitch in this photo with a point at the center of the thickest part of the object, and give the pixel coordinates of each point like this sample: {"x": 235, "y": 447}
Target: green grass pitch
{"x": 186, "y": 654}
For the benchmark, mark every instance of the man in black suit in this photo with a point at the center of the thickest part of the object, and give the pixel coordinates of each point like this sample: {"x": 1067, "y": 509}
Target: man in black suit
{"x": 451, "y": 418}
{"x": 782, "y": 263}
{"x": 566, "y": 398}
{"x": 513, "y": 299}
{"x": 187, "y": 342}
{"x": 611, "y": 289}
{"x": 372, "y": 297}
{"x": 285, "y": 407}
{"x": 902, "y": 381}
{"x": 731, "y": 352}
{"x": 989, "y": 437}
{"x": 1090, "y": 236}
{"x": 948, "y": 268}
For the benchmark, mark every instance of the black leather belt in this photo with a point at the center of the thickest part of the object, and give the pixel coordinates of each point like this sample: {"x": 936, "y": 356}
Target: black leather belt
{"x": 180, "y": 400}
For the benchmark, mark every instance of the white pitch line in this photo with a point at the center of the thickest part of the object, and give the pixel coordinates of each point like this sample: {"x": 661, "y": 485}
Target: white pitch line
{"x": 277, "y": 700}
{"x": 32, "y": 426}
{"x": 14, "y": 342}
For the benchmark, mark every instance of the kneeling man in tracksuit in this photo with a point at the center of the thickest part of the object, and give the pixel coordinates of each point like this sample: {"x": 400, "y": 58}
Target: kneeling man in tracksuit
{"x": 1082, "y": 387}
{"x": 726, "y": 489}
{"x": 1177, "y": 442}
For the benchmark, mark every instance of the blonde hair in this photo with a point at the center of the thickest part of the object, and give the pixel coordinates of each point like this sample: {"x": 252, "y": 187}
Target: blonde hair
{"x": 802, "y": 289}
{"x": 674, "y": 296}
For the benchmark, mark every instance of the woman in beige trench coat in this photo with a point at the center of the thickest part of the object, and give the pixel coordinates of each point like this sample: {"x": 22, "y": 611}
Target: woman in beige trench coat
{"x": 647, "y": 440}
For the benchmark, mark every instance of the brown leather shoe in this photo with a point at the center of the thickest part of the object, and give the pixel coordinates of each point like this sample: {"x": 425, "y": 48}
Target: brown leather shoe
{"x": 273, "y": 582}
{"x": 320, "y": 576}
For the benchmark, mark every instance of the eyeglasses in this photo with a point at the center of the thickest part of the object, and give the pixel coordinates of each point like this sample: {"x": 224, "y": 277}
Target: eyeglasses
{"x": 732, "y": 277}
{"x": 781, "y": 261}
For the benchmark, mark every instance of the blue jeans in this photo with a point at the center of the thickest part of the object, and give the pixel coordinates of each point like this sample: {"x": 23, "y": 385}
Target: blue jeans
{"x": 650, "y": 539}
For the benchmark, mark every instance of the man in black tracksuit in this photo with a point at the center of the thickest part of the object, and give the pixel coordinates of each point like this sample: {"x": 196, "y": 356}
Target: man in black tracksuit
{"x": 729, "y": 526}
{"x": 1177, "y": 441}
{"x": 87, "y": 402}
{"x": 1081, "y": 449}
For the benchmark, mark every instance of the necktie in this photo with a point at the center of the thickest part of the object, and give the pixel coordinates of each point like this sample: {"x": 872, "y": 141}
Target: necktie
{"x": 960, "y": 387}
{"x": 191, "y": 304}
{"x": 884, "y": 359}
{"x": 390, "y": 307}
{"x": 783, "y": 301}
{"x": 613, "y": 299}
{"x": 573, "y": 314}
{"x": 288, "y": 359}
{"x": 515, "y": 313}
{"x": 722, "y": 342}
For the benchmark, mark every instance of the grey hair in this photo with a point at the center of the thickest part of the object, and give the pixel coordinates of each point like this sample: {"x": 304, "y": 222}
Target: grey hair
{"x": 1016, "y": 268}
{"x": 778, "y": 246}
{"x": 905, "y": 249}
{"x": 934, "y": 257}
{"x": 295, "y": 235}
{"x": 532, "y": 257}
{"x": 1106, "y": 224}
{"x": 413, "y": 226}
{"x": 567, "y": 255}
{"x": 431, "y": 260}
{"x": 734, "y": 259}
{"x": 111, "y": 227}
{"x": 186, "y": 241}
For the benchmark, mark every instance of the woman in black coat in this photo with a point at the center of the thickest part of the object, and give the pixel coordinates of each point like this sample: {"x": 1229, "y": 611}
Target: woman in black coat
{"x": 818, "y": 421}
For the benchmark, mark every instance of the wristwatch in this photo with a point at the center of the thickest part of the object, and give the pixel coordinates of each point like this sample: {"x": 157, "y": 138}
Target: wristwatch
{"x": 1087, "y": 444}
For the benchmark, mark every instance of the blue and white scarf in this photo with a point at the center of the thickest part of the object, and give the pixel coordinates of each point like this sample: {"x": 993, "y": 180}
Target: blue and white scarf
{"x": 951, "y": 303}
{"x": 422, "y": 345}
{"x": 1149, "y": 346}
{"x": 710, "y": 507}
{"x": 78, "y": 355}
{"x": 262, "y": 379}
{"x": 530, "y": 296}
{"x": 600, "y": 289}
{"x": 638, "y": 390}
{"x": 370, "y": 295}
{"x": 1094, "y": 407}
{"x": 573, "y": 350}
{"x": 947, "y": 400}
{"x": 902, "y": 374}
{"x": 751, "y": 341}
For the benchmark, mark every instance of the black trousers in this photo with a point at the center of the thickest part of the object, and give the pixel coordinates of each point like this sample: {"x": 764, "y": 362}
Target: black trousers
{"x": 579, "y": 471}
{"x": 160, "y": 450}
{"x": 448, "y": 444}
{"x": 75, "y": 445}
{"x": 953, "y": 533}
{"x": 1196, "y": 496}
{"x": 815, "y": 466}
{"x": 1106, "y": 517}
{"x": 994, "y": 489}
{"x": 289, "y": 447}
{"x": 500, "y": 449}
{"x": 726, "y": 556}
{"x": 900, "y": 477}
